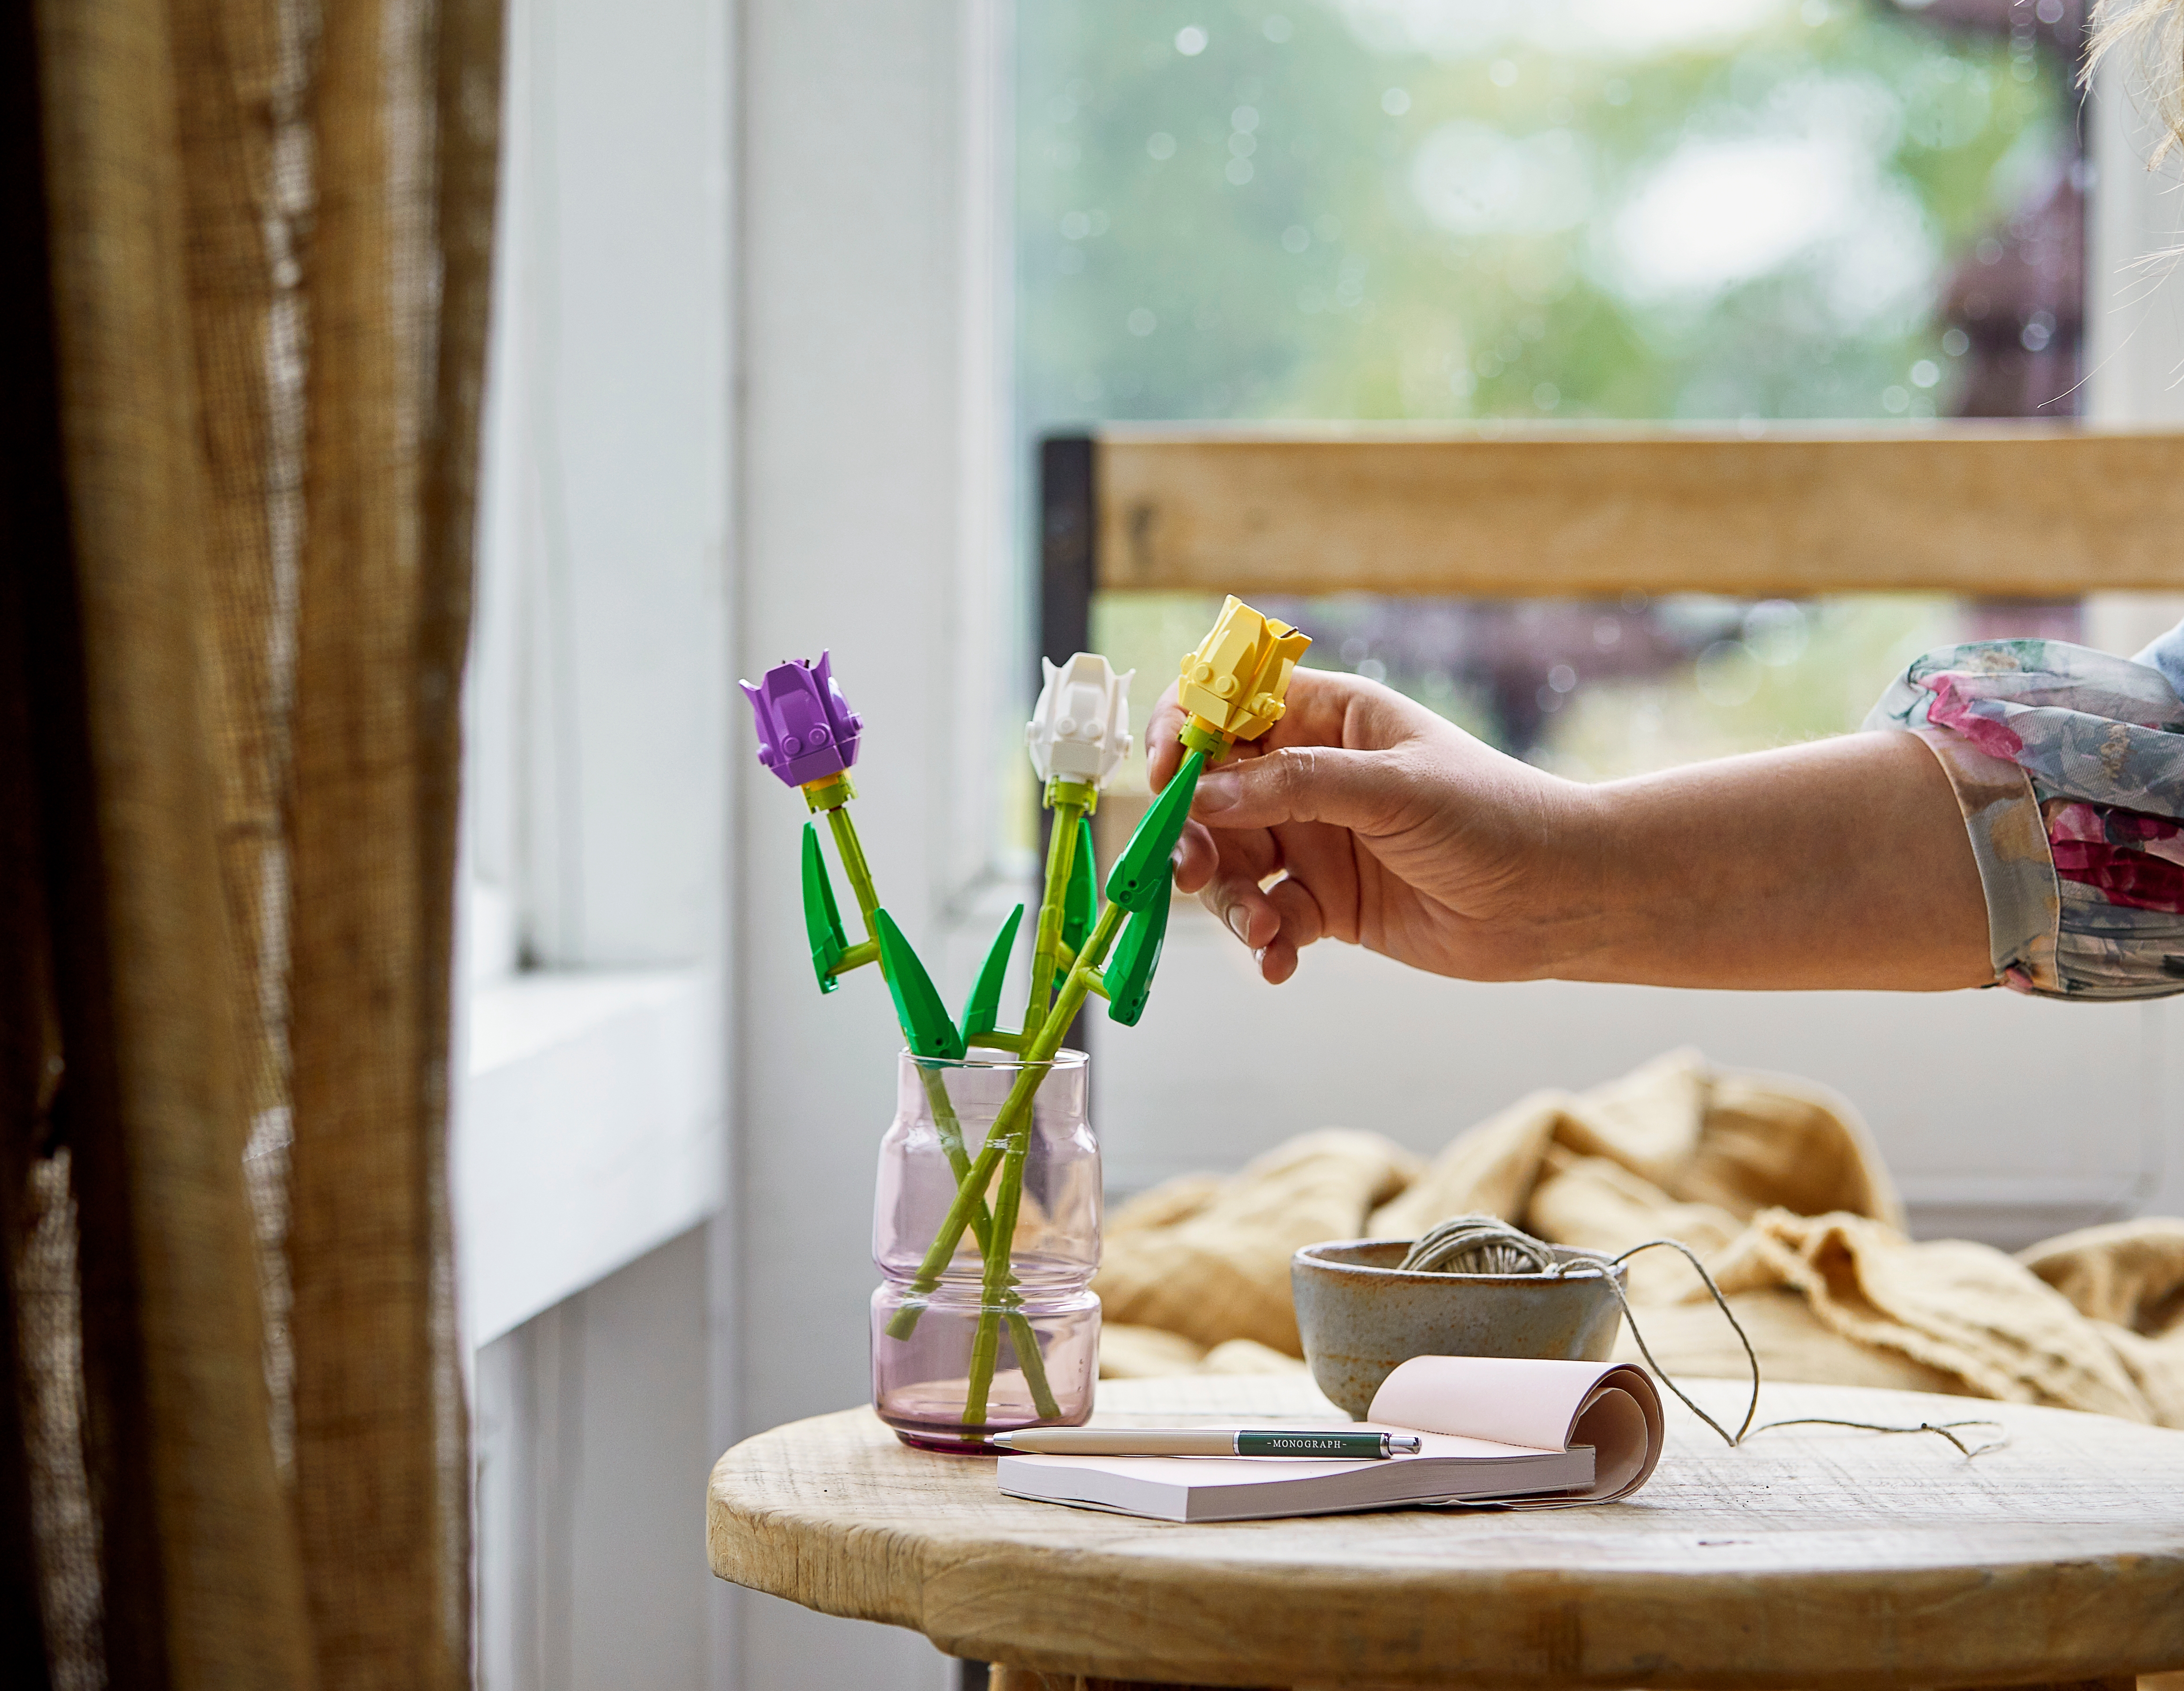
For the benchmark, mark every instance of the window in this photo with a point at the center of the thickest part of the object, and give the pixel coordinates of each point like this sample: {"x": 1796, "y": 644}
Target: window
{"x": 1706, "y": 209}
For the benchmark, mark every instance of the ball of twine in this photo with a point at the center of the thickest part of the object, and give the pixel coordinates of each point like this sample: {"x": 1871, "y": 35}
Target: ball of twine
{"x": 1479, "y": 1244}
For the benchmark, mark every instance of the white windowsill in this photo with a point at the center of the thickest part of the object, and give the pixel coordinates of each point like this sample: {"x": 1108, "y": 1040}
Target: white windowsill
{"x": 588, "y": 1130}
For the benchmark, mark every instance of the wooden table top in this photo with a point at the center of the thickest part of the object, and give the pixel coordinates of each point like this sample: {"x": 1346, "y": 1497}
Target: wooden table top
{"x": 1811, "y": 1557}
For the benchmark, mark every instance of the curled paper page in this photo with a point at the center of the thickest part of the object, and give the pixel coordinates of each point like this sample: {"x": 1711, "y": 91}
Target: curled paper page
{"x": 1542, "y": 1404}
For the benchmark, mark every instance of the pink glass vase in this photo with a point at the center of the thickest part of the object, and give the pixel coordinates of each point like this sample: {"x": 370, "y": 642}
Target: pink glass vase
{"x": 1041, "y": 1342}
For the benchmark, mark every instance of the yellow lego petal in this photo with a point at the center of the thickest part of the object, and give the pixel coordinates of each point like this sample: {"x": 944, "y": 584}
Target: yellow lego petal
{"x": 1233, "y": 684}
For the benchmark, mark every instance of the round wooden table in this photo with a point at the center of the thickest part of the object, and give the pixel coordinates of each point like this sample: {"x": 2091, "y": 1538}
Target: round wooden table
{"x": 1814, "y": 1557}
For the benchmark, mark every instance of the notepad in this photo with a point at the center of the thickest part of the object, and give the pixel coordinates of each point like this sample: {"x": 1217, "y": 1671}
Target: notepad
{"x": 1520, "y": 1432}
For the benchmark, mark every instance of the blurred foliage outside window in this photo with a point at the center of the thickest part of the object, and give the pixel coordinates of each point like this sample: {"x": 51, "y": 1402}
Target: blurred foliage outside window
{"x": 1452, "y": 211}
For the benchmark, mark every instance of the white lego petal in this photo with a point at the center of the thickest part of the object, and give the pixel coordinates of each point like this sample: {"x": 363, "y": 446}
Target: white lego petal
{"x": 1080, "y": 730}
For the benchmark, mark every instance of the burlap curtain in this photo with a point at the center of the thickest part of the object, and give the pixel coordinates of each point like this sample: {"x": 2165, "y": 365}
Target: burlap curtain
{"x": 244, "y": 247}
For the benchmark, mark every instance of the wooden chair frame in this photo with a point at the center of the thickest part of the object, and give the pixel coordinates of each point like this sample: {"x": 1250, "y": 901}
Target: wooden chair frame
{"x": 2005, "y": 510}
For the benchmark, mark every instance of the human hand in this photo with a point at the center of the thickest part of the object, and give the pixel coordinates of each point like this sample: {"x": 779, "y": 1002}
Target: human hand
{"x": 1362, "y": 816}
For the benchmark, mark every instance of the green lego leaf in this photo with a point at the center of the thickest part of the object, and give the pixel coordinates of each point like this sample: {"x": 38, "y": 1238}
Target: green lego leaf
{"x": 926, "y": 1027}
{"x": 1129, "y": 977}
{"x": 1141, "y": 874}
{"x": 1080, "y": 903}
{"x": 983, "y": 1006}
{"x": 822, "y": 918}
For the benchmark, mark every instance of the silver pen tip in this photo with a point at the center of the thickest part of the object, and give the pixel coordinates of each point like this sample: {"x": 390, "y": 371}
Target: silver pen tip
{"x": 1404, "y": 1443}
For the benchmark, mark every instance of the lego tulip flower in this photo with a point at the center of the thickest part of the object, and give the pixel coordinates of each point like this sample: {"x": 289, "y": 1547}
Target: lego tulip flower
{"x": 1078, "y": 735}
{"x": 1079, "y": 731}
{"x": 1234, "y": 685}
{"x": 1256, "y": 655}
{"x": 807, "y": 733}
{"x": 1232, "y": 688}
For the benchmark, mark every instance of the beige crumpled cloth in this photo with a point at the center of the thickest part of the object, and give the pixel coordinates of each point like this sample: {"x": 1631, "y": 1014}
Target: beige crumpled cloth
{"x": 1774, "y": 1181}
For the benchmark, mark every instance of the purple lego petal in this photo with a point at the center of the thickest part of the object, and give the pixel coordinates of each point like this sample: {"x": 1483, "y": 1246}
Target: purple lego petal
{"x": 806, "y": 731}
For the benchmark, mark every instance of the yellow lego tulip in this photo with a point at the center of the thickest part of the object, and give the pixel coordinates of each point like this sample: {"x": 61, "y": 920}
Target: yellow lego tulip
{"x": 1233, "y": 684}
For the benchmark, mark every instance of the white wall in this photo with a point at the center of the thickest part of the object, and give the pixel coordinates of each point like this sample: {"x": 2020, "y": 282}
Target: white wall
{"x": 2134, "y": 300}
{"x": 868, "y": 440}
{"x": 598, "y": 684}
{"x": 2135, "y": 322}
{"x": 592, "y": 1448}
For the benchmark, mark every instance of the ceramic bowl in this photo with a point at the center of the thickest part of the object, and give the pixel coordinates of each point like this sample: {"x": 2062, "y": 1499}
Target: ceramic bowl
{"x": 1360, "y": 1315}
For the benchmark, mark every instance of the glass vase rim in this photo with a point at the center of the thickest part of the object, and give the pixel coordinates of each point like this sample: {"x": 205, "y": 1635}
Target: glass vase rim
{"x": 1066, "y": 1059}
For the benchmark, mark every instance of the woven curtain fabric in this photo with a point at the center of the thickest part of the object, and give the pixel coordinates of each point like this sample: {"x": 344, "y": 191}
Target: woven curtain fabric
{"x": 244, "y": 256}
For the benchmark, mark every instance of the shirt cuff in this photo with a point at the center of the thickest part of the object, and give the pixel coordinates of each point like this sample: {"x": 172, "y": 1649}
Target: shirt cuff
{"x": 2017, "y": 872}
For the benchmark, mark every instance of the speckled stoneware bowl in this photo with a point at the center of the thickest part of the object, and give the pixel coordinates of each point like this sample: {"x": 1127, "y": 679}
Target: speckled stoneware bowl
{"x": 1360, "y": 1315}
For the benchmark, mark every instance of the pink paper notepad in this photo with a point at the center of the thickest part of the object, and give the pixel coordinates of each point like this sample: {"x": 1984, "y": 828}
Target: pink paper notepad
{"x": 1520, "y": 1431}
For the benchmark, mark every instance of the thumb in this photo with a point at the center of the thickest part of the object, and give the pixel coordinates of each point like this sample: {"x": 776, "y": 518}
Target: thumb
{"x": 1361, "y": 790}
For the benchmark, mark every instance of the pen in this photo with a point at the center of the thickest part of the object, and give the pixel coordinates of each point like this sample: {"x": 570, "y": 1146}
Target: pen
{"x": 1201, "y": 1441}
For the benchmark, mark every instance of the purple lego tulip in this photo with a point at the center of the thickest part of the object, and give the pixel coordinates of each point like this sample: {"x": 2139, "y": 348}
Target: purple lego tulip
{"x": 806, "y": 730}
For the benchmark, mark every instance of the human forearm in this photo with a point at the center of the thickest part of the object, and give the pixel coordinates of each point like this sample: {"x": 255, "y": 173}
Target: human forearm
{"x": 1843, "y": 863}
{"x": 1366, "y": 818}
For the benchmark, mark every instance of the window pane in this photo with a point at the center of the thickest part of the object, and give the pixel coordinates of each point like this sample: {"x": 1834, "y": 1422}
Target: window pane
{"x": 1449, "y": 208}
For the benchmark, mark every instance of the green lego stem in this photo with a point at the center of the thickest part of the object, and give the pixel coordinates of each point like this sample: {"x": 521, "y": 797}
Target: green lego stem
{"x": 856, "y": 956}
{"x": 1197, "y": 737}
{"x": 982, "y": 1231}
{"x": 1080, "y": 905}
{"x": 994, "y": 1239}
{"x": 971, "y": 1192}
{"x": 985, "y": 1343}
{"x": 1061, "y": 858}
{"x": 851, "y": 851}
{"x": 1084, "y": 794}
{"x": 830, "y": 792}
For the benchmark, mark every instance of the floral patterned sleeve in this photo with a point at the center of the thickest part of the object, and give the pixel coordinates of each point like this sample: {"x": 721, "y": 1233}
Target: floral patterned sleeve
{"x": 2068, "y": 766}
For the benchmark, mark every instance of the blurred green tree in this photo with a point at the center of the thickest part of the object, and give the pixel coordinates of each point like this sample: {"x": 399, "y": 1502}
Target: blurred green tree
{"x": 1449, "y": 208}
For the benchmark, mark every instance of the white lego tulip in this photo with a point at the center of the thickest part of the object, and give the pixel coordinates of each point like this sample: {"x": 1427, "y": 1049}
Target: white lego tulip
{"x": 1080, "y": 729}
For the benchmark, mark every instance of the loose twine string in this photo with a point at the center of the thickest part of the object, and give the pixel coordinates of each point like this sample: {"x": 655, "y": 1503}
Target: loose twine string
{"x": 1487, "y": 1245}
